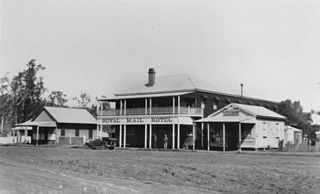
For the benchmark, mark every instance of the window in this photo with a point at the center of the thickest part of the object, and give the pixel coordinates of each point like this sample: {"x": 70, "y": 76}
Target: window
{"x": 90, "y": 134}
{"x": 264, "y": 130}
{"x": 77, "y": 133}
{"x": 63, "y": 132}
{"x": 277, "y": 131}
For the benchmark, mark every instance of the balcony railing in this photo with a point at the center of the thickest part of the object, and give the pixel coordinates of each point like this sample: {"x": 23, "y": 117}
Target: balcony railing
{"x": 154, "y": 111}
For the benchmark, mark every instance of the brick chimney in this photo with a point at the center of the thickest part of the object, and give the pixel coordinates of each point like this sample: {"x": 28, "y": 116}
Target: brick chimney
{"x": 151, "y": 77}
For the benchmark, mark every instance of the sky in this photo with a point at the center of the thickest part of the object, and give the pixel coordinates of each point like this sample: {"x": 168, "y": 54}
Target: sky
{"x": 101, "y": 46}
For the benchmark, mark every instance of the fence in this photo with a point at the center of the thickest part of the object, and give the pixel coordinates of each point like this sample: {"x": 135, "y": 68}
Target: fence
{"x": 302, "y": 147}
{"x": 8, "y": 140}
{"x": 72, "y": 140}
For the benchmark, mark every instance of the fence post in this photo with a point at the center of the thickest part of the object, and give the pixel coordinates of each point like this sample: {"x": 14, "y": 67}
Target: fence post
{"x": 70, "y": 140}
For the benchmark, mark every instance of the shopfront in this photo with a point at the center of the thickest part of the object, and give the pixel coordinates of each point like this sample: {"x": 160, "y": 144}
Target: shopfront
{"x": 239, "y": 126}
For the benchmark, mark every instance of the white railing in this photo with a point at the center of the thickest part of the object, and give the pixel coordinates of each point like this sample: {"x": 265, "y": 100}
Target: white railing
{"x": 135, "y": 111}
{"x": 154, "y": 111}
{"x": 161, "y": 110}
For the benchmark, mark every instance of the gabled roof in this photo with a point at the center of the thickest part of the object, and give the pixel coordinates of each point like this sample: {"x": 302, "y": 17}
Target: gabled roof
{"x": 258, "y": 111}
{"x": 70, "y": 115}
{"x": 249, "y": 110}
{"x": 293, "y": 128}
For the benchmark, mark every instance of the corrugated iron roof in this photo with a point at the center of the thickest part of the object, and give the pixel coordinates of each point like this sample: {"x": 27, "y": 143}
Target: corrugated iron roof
{"x": 37, "y": 123}
{"x": 293, "y": 128}
{"x": 71, "y": 115}
{"x": 170, "y": 83}
{"x": 252, "y": 111}
{"x": 175, "y": 83}
{"x": 258, "y": 111}
{"x": 146, "y": 96}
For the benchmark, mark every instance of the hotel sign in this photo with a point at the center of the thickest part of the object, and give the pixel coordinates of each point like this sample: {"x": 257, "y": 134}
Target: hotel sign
{"x": 111, "y": 120}
{"x": 138, "y": 120}
{"x": 231, "y": 112}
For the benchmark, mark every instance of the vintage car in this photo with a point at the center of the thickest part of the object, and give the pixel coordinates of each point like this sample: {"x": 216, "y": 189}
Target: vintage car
{"x": 101, "y": 144}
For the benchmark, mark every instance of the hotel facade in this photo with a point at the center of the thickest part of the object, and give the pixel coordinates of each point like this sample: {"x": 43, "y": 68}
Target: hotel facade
{"x": 141, "y": 116}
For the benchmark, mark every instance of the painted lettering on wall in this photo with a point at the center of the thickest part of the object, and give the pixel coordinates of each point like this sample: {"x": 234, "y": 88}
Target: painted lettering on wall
{"x": 231, "y": 112}
{"x": 111, "y": 120}
{"x": 135, "y": 120}
{"x": 161, "y": 120}
{"x": 138, "y": 120}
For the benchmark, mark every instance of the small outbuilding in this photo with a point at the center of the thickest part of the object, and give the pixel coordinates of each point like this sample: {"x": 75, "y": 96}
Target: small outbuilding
{"x": 59, "y": 125}
{"x": 243, "y": 126}
{"x": 292, "y": 135}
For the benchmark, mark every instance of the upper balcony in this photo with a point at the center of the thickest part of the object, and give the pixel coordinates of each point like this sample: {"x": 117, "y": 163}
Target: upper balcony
{"x": 154, "y": 111}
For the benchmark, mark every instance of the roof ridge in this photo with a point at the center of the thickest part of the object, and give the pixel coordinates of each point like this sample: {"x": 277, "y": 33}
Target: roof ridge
{"x": 60, "y": 107}
{"x": 174, "y": 75}
{"x": 194, "y": 86}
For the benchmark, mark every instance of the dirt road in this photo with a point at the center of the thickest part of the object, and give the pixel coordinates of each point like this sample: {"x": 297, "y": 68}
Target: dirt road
{"x": 70, "y": 170}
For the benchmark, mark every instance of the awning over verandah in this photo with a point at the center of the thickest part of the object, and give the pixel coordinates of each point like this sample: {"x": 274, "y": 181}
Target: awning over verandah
{"x": 38, "y": 123}
{"x": 29, "y": 124}
{"x": 237, "y": 113}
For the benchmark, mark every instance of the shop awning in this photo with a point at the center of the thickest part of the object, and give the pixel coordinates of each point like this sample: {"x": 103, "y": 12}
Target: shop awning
{"x": 30, "y": 123}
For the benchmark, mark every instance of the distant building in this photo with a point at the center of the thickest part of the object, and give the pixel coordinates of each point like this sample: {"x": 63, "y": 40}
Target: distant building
{"x": 316, "y": 121}
{"x": 165, "y": 105}
{"x": 292, "y": 135}
{"x": 58, "y": 125}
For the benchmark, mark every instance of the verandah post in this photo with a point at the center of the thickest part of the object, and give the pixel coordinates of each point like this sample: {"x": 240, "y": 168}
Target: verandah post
{"x": 224, "y": 136}
{"x": 239, "y": 136}
{"x": 37, "y": 136}
{"x": 150, "y": 136}
{"x": 193, "y": 136}
{"x": 145, "y": 135}
{"x": 178, "y": 143}
{"x": 120, "y": 136}
{"x": 124, "y": 136}
{"x": 173, "y": 134}
{"x": 208, "y": 136}
{"x": 178, "y": 118}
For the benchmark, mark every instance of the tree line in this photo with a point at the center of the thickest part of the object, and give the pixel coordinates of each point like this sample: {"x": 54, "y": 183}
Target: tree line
{"x": 23, "y": 96}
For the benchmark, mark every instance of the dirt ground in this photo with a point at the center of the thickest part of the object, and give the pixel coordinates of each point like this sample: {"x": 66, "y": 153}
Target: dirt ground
{"x": 77, "y": 170}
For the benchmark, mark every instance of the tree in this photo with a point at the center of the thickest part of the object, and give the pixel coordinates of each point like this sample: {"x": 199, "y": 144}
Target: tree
{"x": 27, "y": 90}
{"x": 83, "y": 100}
{"x": 6, "y": 103}
{"x": 296, "y": 117}
{"x": 56, "y": 98}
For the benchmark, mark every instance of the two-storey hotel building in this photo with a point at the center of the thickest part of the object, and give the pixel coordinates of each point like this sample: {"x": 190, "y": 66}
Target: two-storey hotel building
{"x": 168, "y": 105}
